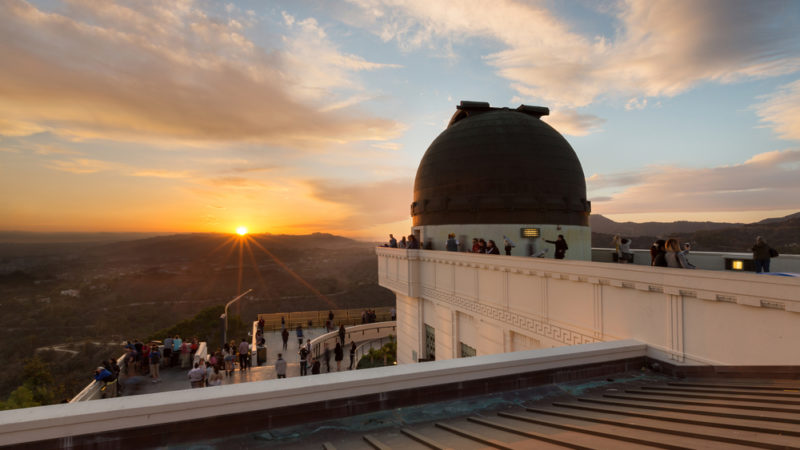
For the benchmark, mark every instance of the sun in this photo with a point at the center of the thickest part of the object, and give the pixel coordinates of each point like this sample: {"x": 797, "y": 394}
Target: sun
{"x": 241, "y": 231}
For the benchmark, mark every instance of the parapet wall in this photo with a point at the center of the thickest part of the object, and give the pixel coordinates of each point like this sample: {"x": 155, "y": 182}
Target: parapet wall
{"x": 497, "y": 304}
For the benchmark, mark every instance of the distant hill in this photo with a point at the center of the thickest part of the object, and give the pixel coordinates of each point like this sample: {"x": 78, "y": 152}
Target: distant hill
{"x": 782, "y": 233}
{"x": 32, "y": 237}
{"x": 603, "y": 224}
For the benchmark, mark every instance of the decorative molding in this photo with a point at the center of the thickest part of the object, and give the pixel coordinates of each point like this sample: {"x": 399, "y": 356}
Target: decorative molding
{"x": 542, "y": 328}
{"x": 676, "y": 327}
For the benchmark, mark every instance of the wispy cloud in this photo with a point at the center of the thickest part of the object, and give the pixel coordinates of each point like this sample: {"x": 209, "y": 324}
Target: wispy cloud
{"x": 81, "y": 165}
{"x": 572, "y": 122}
{"x": 365, "y": 204}
{"x": 151, "y": 70}
{"x": 781, "y": 111}
{"x": 767, "y": 181}
{"x": 660, "y": 48}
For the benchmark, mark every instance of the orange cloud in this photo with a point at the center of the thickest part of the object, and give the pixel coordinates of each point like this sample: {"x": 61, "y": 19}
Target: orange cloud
{"x": 161, "y": 71}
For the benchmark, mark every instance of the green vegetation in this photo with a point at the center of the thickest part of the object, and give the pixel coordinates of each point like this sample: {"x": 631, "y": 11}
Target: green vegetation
{"x": 39, "y": 387}
{"x": 379, "y": 357}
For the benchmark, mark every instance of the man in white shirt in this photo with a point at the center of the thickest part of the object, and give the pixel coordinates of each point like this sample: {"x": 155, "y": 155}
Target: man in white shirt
{"x": 280, "y": 366}
{"x": 197, "y": 376}
{"x": 244, "y": 350}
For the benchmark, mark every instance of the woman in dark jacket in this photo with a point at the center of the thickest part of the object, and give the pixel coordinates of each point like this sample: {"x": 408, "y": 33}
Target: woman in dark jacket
{"x": 658, "y": 253}
{"x": 491, "y": 248}
{"x": 338, "y": 353}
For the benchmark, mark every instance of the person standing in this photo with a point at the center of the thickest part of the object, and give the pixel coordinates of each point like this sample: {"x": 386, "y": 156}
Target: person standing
{"x": 280, "y": 366}
{"x": 452, "y": 243}
{"x": 315, "y": 367}
{"x": 186, "y": 355}
{"x": 674, "y": 256}
{"x": 403, "y": 243}
{"x": 657, "y": 253}
{"x": 167, "y": 354}
{"x": 352, "y": 353}
{"x": 338, "y": 353}
{"x": 155, "y": 361}
{"x": 685, "y": 252}
{"x": 303, "y": 361}
{"x": 299, "y": 333}
{"x": 342, "y": 333}
{"x": 561, "y": 246}
{"x": 761, "y": 255}
{"x": 244, "y": 350}
{"x": 476, "y": 246}
{"x": 481, "y": 245}
{"x": 285, "y": 338}
{"x": 413, "y": 244}
{"x": 491, "y": 248}
{"x": 626, "y": 255}
{"x": 507, "y": 245}
{"x": 392, "y": 241}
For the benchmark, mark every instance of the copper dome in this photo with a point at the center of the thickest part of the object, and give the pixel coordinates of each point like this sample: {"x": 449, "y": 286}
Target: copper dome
{"x": 499, "y": 166}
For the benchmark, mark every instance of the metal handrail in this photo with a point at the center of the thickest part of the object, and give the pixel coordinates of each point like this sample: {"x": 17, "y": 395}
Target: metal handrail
{"x": 357, "y": 333}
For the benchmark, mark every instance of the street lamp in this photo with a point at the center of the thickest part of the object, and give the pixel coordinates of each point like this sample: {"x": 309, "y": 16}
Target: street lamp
{"x": 224, "y": 315}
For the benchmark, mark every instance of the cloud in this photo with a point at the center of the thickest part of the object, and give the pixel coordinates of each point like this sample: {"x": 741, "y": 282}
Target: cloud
{"x": 160, "y": 173}
{"x": 166, "y": 71}
{"x": 365, "y": 204}
{"x": 660, "y": 48}
{"x": 10, "y": 127}
{"x": 82, "y": 165}
{"x": 569, "y": 121}
{"x": 767, "y": 181}
{"x": 781, "y": 111}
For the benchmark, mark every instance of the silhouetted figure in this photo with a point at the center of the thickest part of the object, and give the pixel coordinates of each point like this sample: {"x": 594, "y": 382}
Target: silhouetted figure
{"x": 762, "y": 253}
{"x": 658, "y": 253}
{"x": 561, "y": 246}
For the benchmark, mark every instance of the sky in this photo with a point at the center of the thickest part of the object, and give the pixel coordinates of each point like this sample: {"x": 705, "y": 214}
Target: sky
{"x": 312, "y": 116}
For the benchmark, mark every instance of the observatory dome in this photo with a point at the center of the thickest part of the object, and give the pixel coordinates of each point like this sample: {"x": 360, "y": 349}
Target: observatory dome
{"x": 499, "y": 166}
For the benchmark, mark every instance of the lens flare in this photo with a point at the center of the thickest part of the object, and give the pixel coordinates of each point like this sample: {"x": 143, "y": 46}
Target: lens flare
{"x": 241, "y": 231}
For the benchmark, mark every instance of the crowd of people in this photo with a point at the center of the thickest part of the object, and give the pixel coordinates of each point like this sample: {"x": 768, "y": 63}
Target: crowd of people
{"x": 479, "y": 245}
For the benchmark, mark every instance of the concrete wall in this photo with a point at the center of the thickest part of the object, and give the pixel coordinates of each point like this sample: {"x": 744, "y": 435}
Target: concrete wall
{"x": 168, "y": 419}
{"x": 507, "y": 303}
{"x": 706, "y": 260}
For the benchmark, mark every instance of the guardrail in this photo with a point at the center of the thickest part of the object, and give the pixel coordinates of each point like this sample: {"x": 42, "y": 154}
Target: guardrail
{"x": 364, "y": 348}
{"x": 272, "y": 321}
{"x": 358, "y": 334}
{"x": 93, "y": 390}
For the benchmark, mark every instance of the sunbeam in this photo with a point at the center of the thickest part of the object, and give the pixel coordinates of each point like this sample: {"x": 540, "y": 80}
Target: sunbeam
{"x": 293, "y": 274}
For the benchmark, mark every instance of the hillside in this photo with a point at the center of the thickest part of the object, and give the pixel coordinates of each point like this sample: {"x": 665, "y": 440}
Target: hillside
{"x": 107, "y": 292}
{"x": 782, "y": 233}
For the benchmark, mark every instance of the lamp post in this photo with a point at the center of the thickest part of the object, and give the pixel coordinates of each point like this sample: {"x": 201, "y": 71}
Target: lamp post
{"x": 224, "y": 315}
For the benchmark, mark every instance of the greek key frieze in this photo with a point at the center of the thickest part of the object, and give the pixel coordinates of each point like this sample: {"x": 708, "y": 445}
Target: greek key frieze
{"x": 555, "y": 332}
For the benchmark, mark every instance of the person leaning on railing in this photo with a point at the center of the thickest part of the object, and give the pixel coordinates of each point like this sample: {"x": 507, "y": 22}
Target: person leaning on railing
{"x": 102, "y": 375}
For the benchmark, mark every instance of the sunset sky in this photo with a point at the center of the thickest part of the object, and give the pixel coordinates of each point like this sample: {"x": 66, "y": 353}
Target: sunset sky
{"x": 303, "y": 116}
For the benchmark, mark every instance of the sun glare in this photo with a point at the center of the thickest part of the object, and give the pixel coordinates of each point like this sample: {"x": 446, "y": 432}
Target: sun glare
{"x": 241, "y": 231}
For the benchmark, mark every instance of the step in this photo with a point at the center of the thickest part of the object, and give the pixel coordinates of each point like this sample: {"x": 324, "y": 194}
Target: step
{"x": 590, "y": 429}
{"x": 733, "y": 436}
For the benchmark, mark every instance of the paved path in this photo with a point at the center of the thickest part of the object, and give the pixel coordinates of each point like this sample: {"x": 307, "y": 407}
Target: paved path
{"x": 175, "y": 378}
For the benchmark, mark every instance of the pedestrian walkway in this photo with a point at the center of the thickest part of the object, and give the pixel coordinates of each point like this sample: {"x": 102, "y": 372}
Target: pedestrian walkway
{"x": 175, "y": 378}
